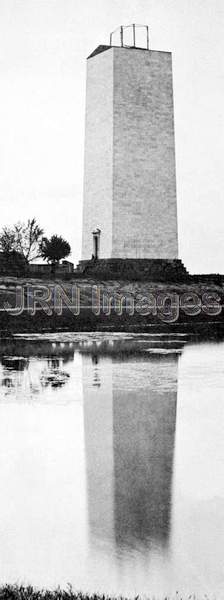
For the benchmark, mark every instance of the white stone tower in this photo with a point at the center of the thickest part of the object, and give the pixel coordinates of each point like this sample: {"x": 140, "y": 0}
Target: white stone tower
{"x": 130, "y": 207}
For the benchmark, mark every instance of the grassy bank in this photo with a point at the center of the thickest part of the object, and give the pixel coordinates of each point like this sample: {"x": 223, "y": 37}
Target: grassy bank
{"x": 15, "y": 592}
{"x": 110, "y": 306}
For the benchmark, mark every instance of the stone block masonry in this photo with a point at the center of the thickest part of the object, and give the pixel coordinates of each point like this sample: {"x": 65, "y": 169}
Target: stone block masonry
{"x": 130, "y": 181}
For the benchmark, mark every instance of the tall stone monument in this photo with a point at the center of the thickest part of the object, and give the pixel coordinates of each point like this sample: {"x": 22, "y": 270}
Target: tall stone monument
{"x": 130, "y": 207}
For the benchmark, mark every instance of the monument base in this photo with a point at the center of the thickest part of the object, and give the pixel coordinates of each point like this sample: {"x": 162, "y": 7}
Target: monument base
{"x": 149, "y": 269}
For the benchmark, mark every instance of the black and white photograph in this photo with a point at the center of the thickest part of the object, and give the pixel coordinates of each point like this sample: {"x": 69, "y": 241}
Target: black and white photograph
{"x": 112, "y": 300}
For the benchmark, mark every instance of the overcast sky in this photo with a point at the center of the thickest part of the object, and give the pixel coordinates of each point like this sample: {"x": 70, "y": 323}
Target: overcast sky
{"x": 43, "y": 50}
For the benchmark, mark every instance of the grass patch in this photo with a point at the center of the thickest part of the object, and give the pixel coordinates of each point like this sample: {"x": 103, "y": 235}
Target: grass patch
{"x": 20, "y": 592}
{"x": 16, "y": 592}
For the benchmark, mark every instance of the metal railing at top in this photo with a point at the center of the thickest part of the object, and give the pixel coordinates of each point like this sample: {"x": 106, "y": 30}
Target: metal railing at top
{"x": 134, "y": 29}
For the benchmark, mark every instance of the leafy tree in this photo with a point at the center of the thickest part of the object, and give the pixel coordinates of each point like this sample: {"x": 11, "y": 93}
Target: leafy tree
{"x": 13, "y": 263}
{"x": 24, "y": 238}
{"x": 7, "y": 240}
{"x": 54, "y": 249}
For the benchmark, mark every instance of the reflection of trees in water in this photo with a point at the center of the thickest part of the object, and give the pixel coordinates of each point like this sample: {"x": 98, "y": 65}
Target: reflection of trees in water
{"x": 21, "y": 374}
{"x": 15, "y": 348}
{"x": 53, "y": 376}
{"x": 15, "y": 363}
{"x": 7, "y": 382}
{"x": 12, "y": 365}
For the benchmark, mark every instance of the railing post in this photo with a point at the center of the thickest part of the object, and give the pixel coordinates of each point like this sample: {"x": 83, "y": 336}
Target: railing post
{"x": 147, "y": 29}
{"x": 122, "y": 37}
{"x": 134, "y": 35}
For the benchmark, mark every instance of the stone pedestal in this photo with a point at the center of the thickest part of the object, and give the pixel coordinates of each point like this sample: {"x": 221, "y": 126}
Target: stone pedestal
{"x": 135, "y": 269}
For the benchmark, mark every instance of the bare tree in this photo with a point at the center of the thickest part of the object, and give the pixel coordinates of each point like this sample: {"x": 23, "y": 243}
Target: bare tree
{"x": 24, "y": 238}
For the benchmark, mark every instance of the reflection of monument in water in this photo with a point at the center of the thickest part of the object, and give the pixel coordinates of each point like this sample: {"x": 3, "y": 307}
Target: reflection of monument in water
{"x": 98, "y": 422}
{"x": 129, "y": 442}
{"x": 144, "y": 431}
